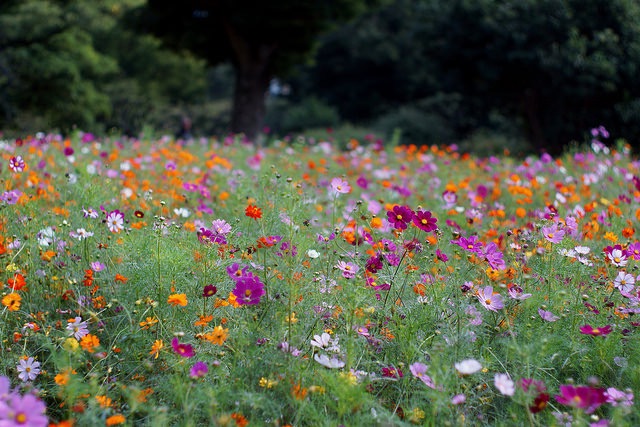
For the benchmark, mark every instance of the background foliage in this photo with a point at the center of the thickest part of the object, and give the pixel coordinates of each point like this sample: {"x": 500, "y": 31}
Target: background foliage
{"x": 527, "y": 75}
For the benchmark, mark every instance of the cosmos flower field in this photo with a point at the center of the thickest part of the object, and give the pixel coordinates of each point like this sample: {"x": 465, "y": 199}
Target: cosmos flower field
{"x": 209, "y": 282}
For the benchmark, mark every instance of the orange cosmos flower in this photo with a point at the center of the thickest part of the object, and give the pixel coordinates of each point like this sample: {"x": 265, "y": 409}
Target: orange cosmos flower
{"x": 12, "y": 301}
{"x": 177, "y": 299}
{"x": 218, "y": 336}
{"x": 17, "y": 282}
{"x": 89, "y": 342}
{"x": 120, "y": 278}
{"x": 116, "y": 419}
{"x": 253, "y": 211}
{"x": 156, "y": 347}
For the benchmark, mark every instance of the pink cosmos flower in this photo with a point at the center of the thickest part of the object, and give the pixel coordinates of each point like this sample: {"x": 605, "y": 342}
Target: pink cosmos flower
{"x": 184, "y": 350}
{"x": 618, "y": 398}
{"x": 582, "y": 397}
{"x": 425, "y": 221}
{"x": 547, "y": 315}
{"x": 400, "y": 216}
{"x": 348, "y": 269}
{"x": 17, "y": 164}
{"x": 489, "y": 300}
{"x": 115, "y": 221}
{"x": 340, "y": 186}
{"x": 553, "y": 234}
{"x": 590, "y": 330}
{"x": 504, "y": 384}
{"x": 419, "y": 370}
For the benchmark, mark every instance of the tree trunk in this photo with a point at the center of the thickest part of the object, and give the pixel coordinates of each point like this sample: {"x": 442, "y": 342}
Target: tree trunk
{"x": 252, "y": 83}
{"x": 252, "y": 62}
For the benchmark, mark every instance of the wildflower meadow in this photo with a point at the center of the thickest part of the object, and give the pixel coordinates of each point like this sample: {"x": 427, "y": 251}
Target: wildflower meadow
{"x": 311, "y": 283}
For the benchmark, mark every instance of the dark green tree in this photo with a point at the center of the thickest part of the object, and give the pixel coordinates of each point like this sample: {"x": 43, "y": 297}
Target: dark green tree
{"x": 49, "y": 68}
{"x": 262, "y": 39}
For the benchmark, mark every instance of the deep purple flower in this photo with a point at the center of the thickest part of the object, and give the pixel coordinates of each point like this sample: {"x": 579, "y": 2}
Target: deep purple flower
{"x": 400, "y": 216}
{"x": 425, "y": 221}
{"x": 374, "y": 264}
{"x": 582, "y": 397}
{"x": 209, "y": 291}
{"x": 441, "y": 256}
{"x": 248, "y": 290}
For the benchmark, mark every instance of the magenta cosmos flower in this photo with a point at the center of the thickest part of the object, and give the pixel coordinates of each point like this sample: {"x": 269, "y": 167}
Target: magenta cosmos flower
{"x": 425, "y": 221}
{"x": 581, "y": 397}
{"x": 248, "y": 290}
{"x": 199, "y": 369}
{"x": 27, "y": 410}
{"x": 184, "y": 350}
{"x": 400, "y": 216}
{"x": 489, "y": 300}
{"x": 590, "y": 330}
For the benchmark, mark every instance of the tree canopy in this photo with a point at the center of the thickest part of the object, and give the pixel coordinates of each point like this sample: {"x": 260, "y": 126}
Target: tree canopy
{"x": 262, "y": 39}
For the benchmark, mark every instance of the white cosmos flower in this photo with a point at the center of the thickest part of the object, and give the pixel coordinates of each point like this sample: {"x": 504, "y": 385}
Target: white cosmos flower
{"x": 468, "y": 366}
{"x": 332, "y": 363}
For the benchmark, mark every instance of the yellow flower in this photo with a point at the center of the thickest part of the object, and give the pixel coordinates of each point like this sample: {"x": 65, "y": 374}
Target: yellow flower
{"x": 177, "y": 299}
{"x": 12, "y": 301}
{"x": 71, "y": 344}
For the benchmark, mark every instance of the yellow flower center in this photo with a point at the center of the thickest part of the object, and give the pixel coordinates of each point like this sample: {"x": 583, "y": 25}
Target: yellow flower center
{"x": 21, "y": 418}
{"x": 247, "y": 293}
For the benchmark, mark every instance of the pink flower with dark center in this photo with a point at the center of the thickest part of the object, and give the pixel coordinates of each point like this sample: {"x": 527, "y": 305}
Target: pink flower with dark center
{"x": 489, "y": 300}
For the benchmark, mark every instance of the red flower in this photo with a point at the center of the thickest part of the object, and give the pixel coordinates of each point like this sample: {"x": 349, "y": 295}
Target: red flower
{"x": 253, "y": 212}
{"x": 590, "y": 330}
{"x": 17, "y": 282}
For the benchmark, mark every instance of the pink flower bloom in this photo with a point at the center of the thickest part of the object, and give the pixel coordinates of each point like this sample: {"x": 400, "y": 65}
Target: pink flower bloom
{"x": 419, "y": 370}
{"x": 517, "y": 293}
{"x": 616, "y": 255}
{"x": 582, "y": 397}
{"x": 458, "y": 399}
{"x": 633, "y": 251}
{"x": 494, "y": 257}
{"x": 199, "y": 369}
{"x": 471, "y": 244}
{"x": 17, "y": 164}
{"x": 618, "y": 398}
{"x": 489, "y": 300}
{"x": 340, "y": 186}
{"x": 553, "y": 234}
{"x": 115, "y": 221}
{"x": 590, "y": 330}
{"x": 248, "y": 290}
{"x": 184, "y": 350}
{"x": 348, "y": 269}
{"x": 504, "y": 384}
{"x": 425, "y": 221}
{"x": 400, "y": 216}
{"x": 547, "y": 315}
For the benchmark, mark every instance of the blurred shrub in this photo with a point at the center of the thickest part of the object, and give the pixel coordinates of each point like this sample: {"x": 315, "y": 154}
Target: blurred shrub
{"x": 284, "y": 117}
